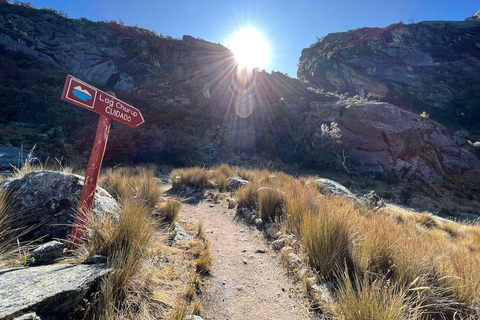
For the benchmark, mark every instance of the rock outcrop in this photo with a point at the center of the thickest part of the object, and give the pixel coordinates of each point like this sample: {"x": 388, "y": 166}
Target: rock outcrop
{"x": 386, "y": 138}
{"x": 53, "y": 290}
{"x": 428, "y": 66}
{"x": 48, "y": 200}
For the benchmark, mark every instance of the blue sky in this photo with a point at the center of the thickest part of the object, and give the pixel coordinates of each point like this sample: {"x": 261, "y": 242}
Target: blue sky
{"x": 289, "y": 26}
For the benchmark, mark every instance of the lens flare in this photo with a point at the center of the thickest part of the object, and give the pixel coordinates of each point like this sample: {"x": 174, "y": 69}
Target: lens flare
{"x": 243, "y": 87}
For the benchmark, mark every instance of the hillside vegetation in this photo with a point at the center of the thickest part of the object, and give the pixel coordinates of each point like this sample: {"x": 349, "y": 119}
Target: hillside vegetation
{"x": 382, "y": 263}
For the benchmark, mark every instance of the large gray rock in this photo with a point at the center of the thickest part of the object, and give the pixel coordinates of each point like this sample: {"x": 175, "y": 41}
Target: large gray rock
{"x": 47, "y": 252}
{"x": 336, "y": 188}
{"x": 54, "y": 290}
{"x": 11, "y": 156}
{"x": 399, "y": 141}
{"x": 235, "y": 183}
{"x": 50, "y": 198}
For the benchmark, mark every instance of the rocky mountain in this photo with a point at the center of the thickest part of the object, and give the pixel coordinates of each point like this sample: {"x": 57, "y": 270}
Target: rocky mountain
{"x": 199, "y": 108}
{"x": 430, "y": 66}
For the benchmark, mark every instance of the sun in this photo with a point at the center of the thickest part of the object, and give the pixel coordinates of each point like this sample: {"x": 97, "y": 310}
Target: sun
{"x": 250, "y": 48}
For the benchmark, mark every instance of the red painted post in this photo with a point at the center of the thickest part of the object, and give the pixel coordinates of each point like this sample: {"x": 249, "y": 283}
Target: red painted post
{"x": 91, "y": 178}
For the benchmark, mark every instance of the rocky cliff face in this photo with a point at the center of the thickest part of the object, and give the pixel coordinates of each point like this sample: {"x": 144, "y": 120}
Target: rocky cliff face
{"x": 380, "y": 137}
{"x": 430, "y": 66}
{"x": 199, "y": 108}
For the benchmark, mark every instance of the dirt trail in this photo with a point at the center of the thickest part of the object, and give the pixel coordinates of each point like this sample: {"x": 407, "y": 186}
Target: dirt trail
{"x": 244, "y": 284}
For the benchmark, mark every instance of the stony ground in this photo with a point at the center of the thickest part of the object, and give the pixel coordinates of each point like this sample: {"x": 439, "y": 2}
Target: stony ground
{"x": 248, "y": 280}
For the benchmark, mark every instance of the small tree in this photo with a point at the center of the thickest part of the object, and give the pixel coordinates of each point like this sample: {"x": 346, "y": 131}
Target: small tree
{"x": 333, "y": 137}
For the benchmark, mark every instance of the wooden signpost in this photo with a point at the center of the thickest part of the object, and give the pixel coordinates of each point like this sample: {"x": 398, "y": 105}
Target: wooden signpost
{"x": 110, "y": 108}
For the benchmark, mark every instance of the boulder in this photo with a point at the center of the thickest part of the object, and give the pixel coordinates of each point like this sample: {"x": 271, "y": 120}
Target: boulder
{"x": 49, "y": 200}
{"x": 235, "y": 183}
{"x": 180, "y": 234}
{"x": 48, "y": 252}
{"x": 336, "y": 188}
{"x": 401, "y": 142}
{"x": 52, "y": 290}
{"x": 11, "y": 156}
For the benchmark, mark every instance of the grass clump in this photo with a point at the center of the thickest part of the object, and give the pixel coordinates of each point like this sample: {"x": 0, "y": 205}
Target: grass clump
{"x": 170, "y": 210}
{"x": 6, "y": 237}
{"x": 327, "y": 241}
{"x": 10, "y": 246}
{"x": 194, "y": 177}
{"x": 124, "y": 242}
{"x": 222, "y": 182}
{"x": 372, "y": 300}
{"x": 270, "y": 203}
{"x": 138, "y": 183}
{"x": 247, "y": 196}
{"x": 200, "y": 231}
{"x": 197, "y": 308}
{"x": 204, "y": 262}
{"x": 181, "y": 310}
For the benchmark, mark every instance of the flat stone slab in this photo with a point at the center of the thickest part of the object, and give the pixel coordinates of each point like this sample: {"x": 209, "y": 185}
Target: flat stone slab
{"x": 52, "y": 289}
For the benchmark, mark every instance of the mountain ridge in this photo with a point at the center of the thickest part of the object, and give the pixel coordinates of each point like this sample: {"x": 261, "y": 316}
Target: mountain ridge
{"x": 427, "y": 66}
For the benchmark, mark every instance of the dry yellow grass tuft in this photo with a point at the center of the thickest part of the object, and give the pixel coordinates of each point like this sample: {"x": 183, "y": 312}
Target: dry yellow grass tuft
{"x": 138, "y": 183}
{"x": 270, "y": 203}
{"x": 247, "y": 196}
{"x": 8, "y": 236}
{"x": 148, "y": 272}
{"x": 362, "y": 299}
{"x": 197, "y": 308}
{"x": 193, "y": 177}
{"x": 327, "y": 239}
{"x": 169, "y": 210}
{"x": 125, "y": 244}
{"x": 200, "y": 231}
{"x": 204, "y": 262}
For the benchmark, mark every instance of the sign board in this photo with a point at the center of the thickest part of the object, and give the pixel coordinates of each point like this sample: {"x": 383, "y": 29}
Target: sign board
{"x": 86, "y": 96}
{"x": 110, "y": 108}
